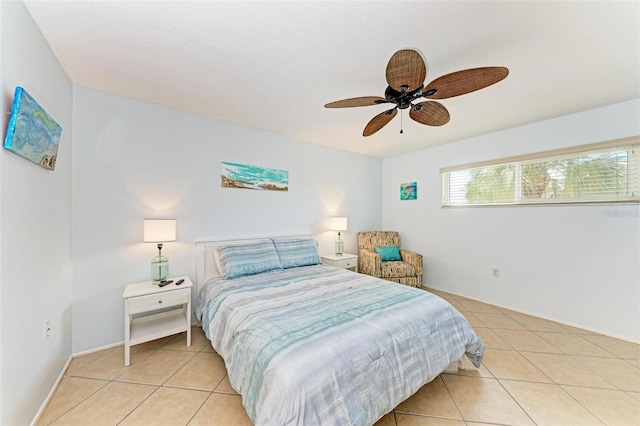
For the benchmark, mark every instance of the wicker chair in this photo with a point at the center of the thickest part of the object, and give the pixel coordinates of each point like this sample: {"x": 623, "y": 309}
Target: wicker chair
{"x": 408, "y": 271}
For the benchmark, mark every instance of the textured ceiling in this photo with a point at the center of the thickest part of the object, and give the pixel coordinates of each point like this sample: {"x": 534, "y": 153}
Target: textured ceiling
{"x": 273, "y": 65}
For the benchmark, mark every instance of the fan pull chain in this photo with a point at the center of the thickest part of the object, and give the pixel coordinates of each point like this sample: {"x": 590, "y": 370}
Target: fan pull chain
{"x": 401, "y": 132}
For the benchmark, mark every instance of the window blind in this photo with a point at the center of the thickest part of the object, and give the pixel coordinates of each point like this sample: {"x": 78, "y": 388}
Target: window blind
{"x": 598, "y": 173}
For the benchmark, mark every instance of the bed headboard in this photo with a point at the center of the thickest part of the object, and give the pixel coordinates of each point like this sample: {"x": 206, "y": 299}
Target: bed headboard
{"x": 206, "y": 266}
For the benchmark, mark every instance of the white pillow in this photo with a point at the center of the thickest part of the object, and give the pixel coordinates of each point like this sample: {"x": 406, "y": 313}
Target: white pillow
{"x": 216, "y": 259}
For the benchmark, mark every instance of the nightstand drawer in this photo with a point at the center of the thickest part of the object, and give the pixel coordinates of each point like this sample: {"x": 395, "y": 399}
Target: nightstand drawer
{"x": 346, "y": 263}
{"x": 345, "y": 260}
{"x": 158, "y": 301}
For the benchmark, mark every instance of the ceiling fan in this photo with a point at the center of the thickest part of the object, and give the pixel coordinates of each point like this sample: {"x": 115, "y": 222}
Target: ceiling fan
{"x": 406, "y": 73}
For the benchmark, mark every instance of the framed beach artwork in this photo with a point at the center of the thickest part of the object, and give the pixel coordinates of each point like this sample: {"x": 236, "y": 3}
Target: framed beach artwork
{"x": 234, "y": 175}
{"x": 409, "y": 191}
{"x": 32, "y": 133}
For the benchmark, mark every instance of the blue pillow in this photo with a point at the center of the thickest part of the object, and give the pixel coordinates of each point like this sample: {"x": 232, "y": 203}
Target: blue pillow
{"x": 297, "y": 252}
{"x": 247, "y": 259}
{"x": 388, "y": 253}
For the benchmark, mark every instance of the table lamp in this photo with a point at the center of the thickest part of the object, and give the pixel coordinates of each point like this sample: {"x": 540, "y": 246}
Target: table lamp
{"x": 339, "y": 224}
{"x": 159, "y": 231}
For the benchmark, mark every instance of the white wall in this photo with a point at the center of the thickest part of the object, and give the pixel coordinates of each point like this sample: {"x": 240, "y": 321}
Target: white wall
{"x": 133, "y": 160}
{"x": 35, "y": 227}
{"x": 575, "y": 264}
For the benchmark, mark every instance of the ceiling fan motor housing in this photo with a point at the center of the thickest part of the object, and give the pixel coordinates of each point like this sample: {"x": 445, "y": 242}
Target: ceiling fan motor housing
{"x": 403, "y": 99}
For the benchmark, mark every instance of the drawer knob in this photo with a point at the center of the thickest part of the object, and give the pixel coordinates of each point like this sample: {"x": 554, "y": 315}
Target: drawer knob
{"x": 159, "y": 301}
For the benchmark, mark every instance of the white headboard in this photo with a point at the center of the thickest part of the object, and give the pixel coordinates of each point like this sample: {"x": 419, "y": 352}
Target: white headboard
{"x": 206, "y": 266}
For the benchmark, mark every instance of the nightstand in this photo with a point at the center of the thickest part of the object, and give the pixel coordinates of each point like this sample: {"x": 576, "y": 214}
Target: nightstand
{"x": 346, "y": 260}
{"x": 152, "y": 312}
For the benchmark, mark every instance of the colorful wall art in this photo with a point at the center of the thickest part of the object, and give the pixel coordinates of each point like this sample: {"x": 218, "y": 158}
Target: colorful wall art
{"x": 409, "y": 191}
{"x": 234, "y": 175}
{"x": 32, "y": 133}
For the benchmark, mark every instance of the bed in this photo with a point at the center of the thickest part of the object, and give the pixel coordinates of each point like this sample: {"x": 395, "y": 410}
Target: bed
{"x": 311, "y": 344}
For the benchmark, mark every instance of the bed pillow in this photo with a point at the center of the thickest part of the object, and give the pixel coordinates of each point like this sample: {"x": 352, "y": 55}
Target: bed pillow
{"x": 297, "y": 252}
{"x": 239, "y": 260}
{"x": 388, "y": 253}
{"x": 216, "y": 258}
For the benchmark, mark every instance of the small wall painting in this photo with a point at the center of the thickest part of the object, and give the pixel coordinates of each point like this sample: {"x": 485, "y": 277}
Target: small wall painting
{"x": 409, "y": 191}
{"x": 32, "y": 133}
{"x": 234, "y": 175}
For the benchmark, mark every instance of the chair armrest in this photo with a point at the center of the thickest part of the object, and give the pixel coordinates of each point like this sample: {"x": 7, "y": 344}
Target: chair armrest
{"x": 369, "y": 263}
{"x": 412, "y": 258}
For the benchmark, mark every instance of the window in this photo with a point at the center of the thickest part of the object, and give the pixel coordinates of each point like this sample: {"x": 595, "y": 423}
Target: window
{"x": 598, "y": 173}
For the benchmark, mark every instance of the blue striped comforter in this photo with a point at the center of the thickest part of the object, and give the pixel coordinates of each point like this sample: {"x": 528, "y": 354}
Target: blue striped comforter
{"x": 319, "y": 345}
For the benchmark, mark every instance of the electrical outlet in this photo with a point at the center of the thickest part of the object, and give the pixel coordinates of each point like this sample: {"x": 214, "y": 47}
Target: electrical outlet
{"x": 495, "y": 272}
{"x": 47, "y": 329}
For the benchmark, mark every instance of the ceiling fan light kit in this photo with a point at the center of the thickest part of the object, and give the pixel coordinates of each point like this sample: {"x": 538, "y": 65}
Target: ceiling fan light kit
{"x": 406, "y": 73}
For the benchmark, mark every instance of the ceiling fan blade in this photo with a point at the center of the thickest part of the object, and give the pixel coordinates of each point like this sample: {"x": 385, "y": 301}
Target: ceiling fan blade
{"x": 379, "y": 121}
{"x": 430, "y": 113}
{"x": 406, "y": 68}
{"x": 465, "y": 81}
{"x": 357, "y": 102}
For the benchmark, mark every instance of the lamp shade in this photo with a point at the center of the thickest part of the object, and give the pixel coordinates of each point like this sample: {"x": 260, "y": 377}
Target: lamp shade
{"x": 338, "y": 223}
{"x": 159, "y": 230}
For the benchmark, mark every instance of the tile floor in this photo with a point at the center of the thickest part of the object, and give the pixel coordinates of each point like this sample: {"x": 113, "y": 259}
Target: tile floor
{"x": 535, "y": 372}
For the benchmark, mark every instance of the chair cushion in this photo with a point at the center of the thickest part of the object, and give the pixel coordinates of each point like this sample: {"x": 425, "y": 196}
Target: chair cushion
{"x": 396, "y": 269}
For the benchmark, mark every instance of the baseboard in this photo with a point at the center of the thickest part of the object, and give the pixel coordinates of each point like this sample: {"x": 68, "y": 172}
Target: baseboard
{"x": 536, "y": 315}
{"x": 101, "y": 348}
{"x": 38, "y": 415}
{"x": 36, "y": 419}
